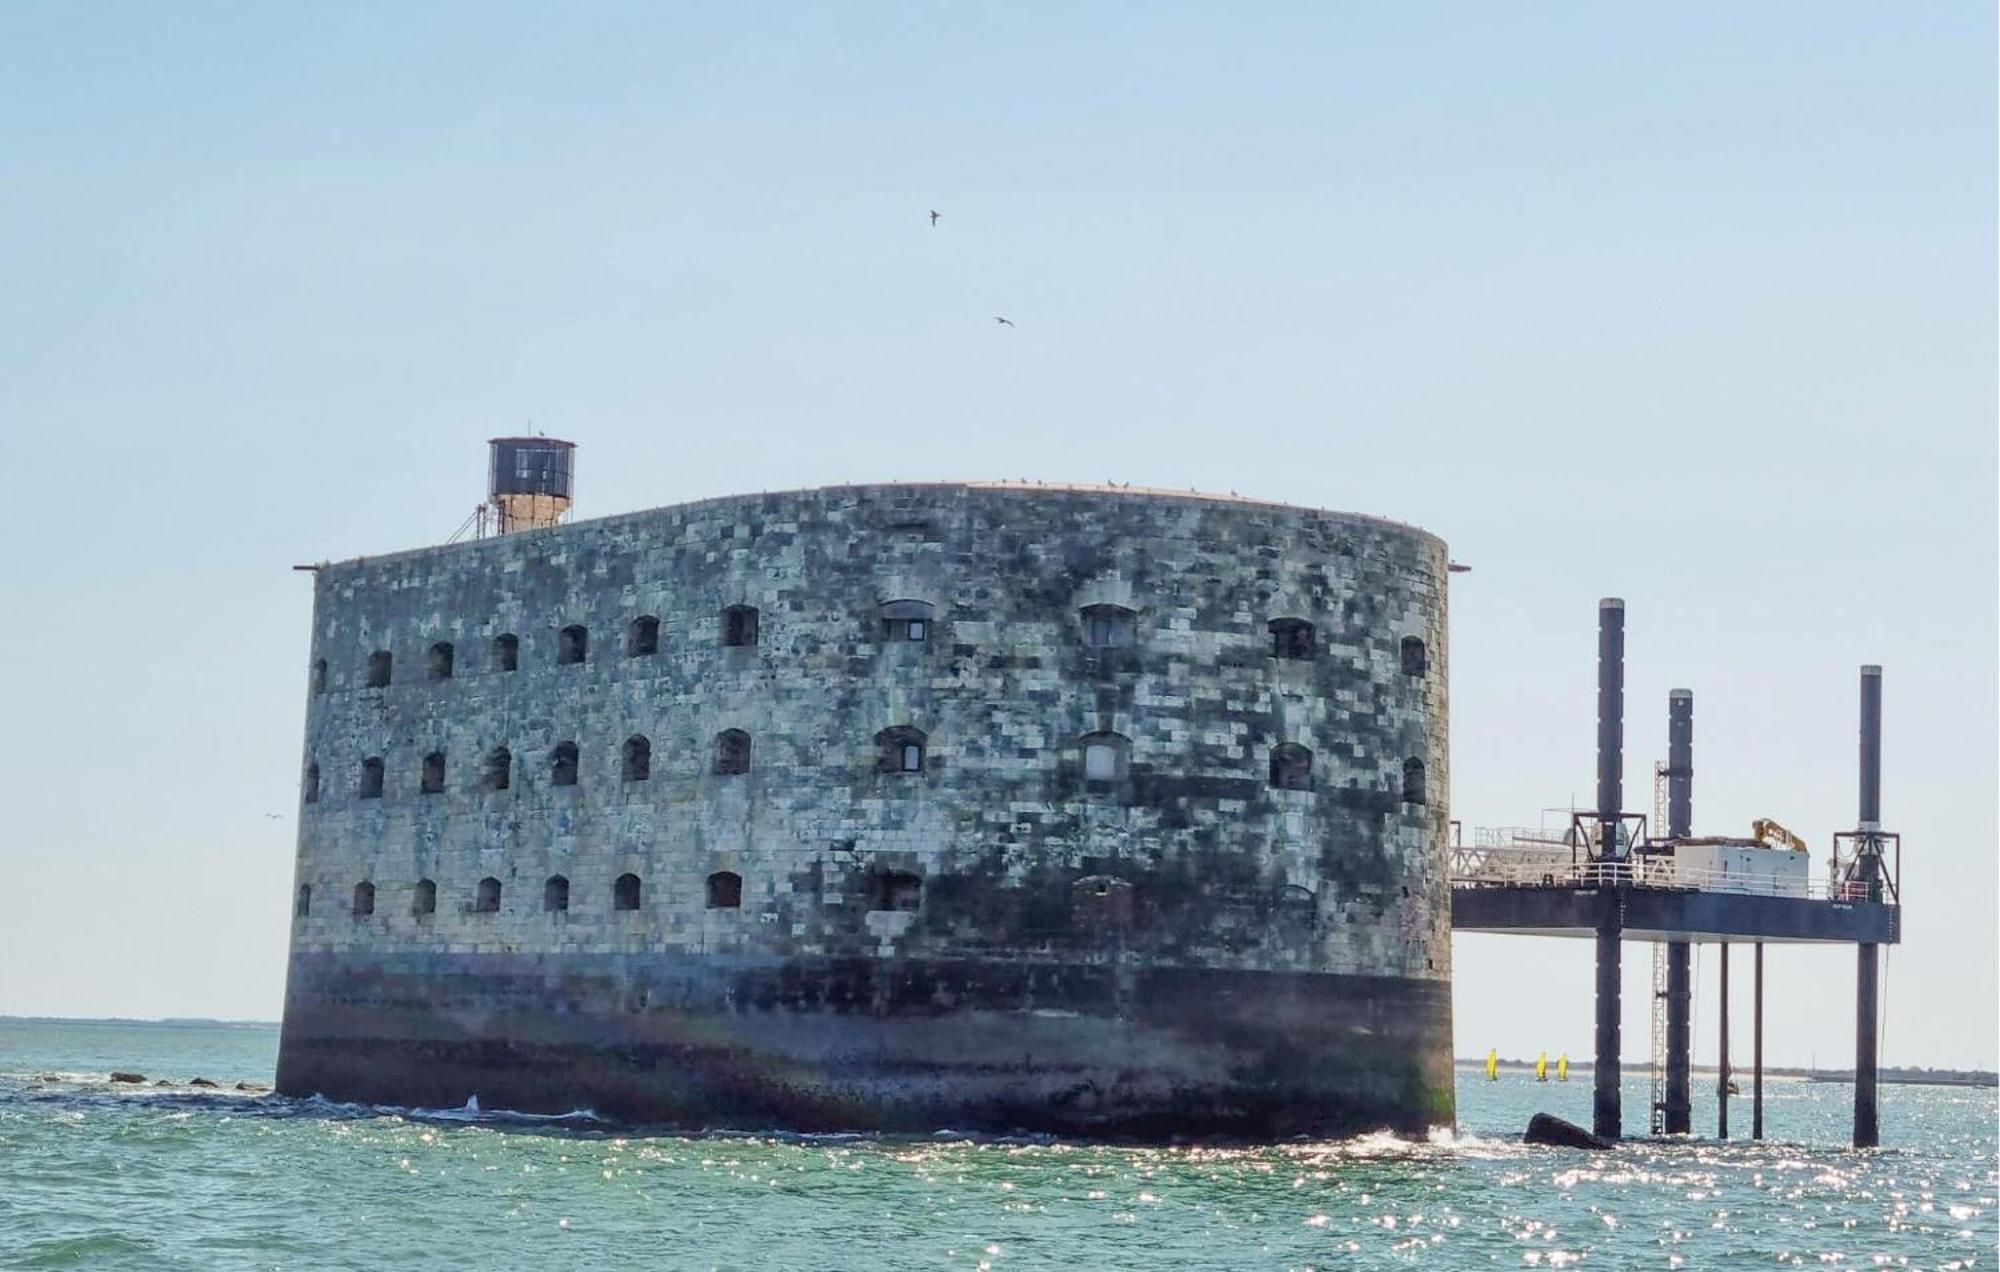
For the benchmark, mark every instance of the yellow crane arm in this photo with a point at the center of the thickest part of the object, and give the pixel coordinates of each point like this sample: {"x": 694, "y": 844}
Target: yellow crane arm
{"x": 1772, "y": 835}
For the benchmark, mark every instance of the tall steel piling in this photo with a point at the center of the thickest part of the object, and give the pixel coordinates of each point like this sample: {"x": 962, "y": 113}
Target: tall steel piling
{"x": 1605, "y": 1110}
{"x": 1679, "y": 1112}
{"x": 1722, "y": 1052}
{"x": 1680, "y": 763}
{"x": 1757, "y": 1046}
{"x": 1868, "y": 863}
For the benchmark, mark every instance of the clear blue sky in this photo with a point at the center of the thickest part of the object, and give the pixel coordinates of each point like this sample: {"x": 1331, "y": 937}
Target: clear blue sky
{"x": 1688, "y": 304}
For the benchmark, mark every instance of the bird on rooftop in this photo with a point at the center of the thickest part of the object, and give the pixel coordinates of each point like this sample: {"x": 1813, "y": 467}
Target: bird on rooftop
{"x": 1005, "y": 322}
{"x": 934, "y": 217}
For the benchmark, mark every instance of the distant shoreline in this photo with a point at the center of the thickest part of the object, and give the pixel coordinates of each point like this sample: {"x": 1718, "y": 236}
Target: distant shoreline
{"x": 136, "y": 1020}
{"x": 1902, "y": 1075}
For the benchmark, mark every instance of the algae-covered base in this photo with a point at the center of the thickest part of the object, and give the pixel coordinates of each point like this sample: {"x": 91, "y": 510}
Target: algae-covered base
{"x": 698, "y": 1042}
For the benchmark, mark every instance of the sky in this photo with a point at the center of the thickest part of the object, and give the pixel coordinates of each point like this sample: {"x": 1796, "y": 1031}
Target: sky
{"x": 1690, "y": 305}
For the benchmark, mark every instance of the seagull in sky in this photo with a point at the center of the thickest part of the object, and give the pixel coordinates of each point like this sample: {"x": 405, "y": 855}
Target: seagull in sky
{"x": 934, "y": 217}
{"x": 1005, "y": 322}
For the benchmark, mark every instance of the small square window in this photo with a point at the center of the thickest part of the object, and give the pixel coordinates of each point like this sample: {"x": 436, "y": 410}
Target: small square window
{"x": 1100, "y": 762}
{"x": 1108, "y": 626}
{"x": 739, "y": 626}
{"x": 913, "y": 758}
{"x": 906, "y": 620}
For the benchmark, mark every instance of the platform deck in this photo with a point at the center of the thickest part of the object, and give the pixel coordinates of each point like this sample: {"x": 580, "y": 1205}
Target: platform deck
{"x": 1672, "y": 914}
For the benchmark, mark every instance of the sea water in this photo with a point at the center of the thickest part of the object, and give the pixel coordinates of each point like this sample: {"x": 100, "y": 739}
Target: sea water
{"x": 96, "y": 1174}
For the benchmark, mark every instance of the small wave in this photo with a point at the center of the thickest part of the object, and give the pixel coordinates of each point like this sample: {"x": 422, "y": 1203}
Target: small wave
{"x": 471, "y": 1113}
{"x": 474, "y": 1114}
{"x": 63, "y": 1252}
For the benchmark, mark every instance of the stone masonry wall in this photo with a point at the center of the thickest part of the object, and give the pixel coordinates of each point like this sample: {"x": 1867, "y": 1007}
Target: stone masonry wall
{"x": 1188, "y": 857}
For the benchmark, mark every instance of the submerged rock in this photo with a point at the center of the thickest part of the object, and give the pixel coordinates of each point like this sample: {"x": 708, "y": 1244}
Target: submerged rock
{"x": 200, "y": 1082}
{"x": 128, "y": 1077}
{"x": 250, "y": 1086}
{"x": 1546, "y": 1128}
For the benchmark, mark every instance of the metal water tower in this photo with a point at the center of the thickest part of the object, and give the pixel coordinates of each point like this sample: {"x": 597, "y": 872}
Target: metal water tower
{"x": 528, "y": 481}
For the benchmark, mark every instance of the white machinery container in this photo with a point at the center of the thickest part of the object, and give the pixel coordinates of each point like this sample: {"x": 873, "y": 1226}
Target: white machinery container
{"x": 1739, "y": 865}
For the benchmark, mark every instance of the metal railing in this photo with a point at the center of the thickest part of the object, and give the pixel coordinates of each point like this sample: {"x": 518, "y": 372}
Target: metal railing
{"x": 1519, "y": 837}
{"x": 1522, "y": 866}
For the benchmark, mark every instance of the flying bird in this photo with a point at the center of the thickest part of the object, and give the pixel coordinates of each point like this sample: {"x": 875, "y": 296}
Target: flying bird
{"x": 1005, "y": 322}
{"x": 934, "y": 217}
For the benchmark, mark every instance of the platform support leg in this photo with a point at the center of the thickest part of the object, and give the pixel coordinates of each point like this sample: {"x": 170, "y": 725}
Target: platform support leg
{"x": 1722, "y": 1053}
{"x": 1605, "y": 1111}
{"x": 1868, "y": 872}
{"x": 1867, "y": 1128}
{"x": 1757, "y": 1046}
{"x": 1679, "y": 1119}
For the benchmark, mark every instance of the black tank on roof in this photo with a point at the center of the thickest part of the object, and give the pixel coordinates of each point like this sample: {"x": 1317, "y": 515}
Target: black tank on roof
{"x": 530, "y": 466}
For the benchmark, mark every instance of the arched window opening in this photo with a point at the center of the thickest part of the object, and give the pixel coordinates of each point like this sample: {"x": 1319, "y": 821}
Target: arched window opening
{"x": 572, "y": 645}
{"x": 486, "y": 899}
{"x": 364, "y": 899}
{"x": 312, "y": 783}
{"x": 906, "y": 621}
{"x": 555, "y": 895}
{"x": 1104, "y": 756}
{"x": 562, "y": 764}
{"x": 894, "y": 890}
{"x": 498, "y": 774}
{"x": 304, "y": 907}
{"x": 1291, "y": 767}
{"x": 319, "y": 676}
{"x": 437, "y": 663}
{"x": 732, "y": 752}
{"x": 1414, "y": 659}
{"x": 1413, "y": 781}
{"x": 371, "y": 778}
{"x": 1293, "y": 638}
{"x": 1109, "y": 626}
{"x": 425, "y": 901}
{"x": 625, "y": 892}
{"x": 381, "y": 664}
{"x": 900, "y": 749}
{"x": 1295, "y": 909}
{"x": 506, "y": 652}
{"x": 434, "y": 773}
{"x": 725, "y": 890}
{"x": 642, "y": 638}
{"x": 739, "y": 625}
{"x": 637, "y": 763}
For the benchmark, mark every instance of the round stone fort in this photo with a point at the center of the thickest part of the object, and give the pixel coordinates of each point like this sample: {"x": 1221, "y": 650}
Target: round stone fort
{"x": 986, "y": 806}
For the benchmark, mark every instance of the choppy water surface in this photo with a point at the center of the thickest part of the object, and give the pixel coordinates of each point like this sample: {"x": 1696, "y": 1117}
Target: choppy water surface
{"x": 160, "y": 1176}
